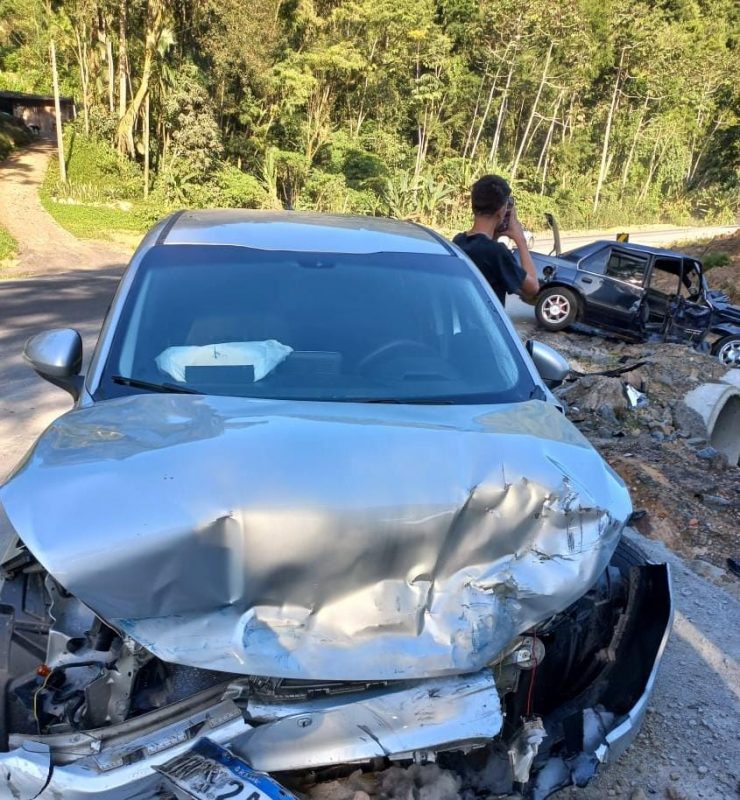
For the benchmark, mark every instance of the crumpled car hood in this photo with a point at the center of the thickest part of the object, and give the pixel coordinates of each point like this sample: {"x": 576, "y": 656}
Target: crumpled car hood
{"x": 318, "y": 540}
{"x": 724, "y": 309}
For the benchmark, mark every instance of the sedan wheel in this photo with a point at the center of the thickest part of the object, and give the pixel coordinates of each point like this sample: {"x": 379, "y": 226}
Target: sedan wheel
{"x": 556, "y": 308}
{"x": 727, "y": 351}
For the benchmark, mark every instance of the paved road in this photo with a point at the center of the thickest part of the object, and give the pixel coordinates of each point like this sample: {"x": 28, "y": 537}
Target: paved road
{"x": 27, "y": 306}
{"x": 45, "y": 295}
{"x": 656, "y": 236}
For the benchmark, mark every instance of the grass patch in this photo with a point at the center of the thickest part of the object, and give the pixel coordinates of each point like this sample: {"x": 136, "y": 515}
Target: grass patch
{"x": 716, "y": 259}
{"x": 8, "y": 245}
{"x": 95, "y": 222}
{"x": 98, "y": 200}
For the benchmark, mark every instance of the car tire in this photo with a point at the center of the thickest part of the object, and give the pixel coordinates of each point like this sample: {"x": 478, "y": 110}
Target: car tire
{"x": 628, "y": 554}
{"x": 727, "y": 350}
{"x": 557, "y": 307}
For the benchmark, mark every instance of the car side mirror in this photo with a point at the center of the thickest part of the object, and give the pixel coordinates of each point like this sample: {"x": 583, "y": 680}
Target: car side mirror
{"x": 553, "y": 368}
{"x": 56, "y": 355}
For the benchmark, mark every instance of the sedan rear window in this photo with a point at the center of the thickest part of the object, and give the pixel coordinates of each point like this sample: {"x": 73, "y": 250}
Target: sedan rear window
{"x": 627, "y": 267}
{"x": 310, "y": 326}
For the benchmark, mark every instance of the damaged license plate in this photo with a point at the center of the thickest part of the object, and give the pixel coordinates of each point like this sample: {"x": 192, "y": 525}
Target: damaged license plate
{"x": 210, "y": 772}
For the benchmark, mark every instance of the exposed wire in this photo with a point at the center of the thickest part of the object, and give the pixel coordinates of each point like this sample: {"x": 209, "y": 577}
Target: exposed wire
{"x": 62, "y": 668}
{"x": 35, "y": 699}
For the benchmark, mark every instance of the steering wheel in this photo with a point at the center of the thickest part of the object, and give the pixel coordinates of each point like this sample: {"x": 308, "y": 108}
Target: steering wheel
{"x": 389, "y": 347}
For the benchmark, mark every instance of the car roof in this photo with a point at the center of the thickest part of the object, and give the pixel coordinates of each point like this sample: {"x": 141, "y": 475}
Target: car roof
{"x": 300, "y": 231}
{"x": 638, "y": 248}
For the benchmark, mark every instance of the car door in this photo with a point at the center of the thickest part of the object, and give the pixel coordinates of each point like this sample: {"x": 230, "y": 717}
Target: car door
{"x": 662, "y": 289}
{"x": 611, "y": 281}
{"x": 692, "y": 316}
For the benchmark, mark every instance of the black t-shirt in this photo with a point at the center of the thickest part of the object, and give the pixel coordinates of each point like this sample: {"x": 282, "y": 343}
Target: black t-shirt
{"x": 499, "y": 267}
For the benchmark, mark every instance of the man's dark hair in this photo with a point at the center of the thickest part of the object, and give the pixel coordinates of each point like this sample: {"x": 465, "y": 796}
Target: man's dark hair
{"x": 488, "y": 194}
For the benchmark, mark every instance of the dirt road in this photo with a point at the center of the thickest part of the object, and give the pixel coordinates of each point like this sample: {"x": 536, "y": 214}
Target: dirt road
{"x": 44, "y": 246}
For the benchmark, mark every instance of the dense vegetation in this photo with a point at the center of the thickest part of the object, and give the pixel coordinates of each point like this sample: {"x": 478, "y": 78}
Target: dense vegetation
{"x": 606, "y": 111}
{"x": 13, "y": 133}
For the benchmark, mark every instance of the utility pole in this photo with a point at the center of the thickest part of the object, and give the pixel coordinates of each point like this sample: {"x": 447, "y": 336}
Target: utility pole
{"x": 57, "y": 111}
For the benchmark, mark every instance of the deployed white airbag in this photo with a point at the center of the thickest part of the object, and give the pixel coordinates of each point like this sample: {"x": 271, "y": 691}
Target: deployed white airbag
{"x": 263, "y": 356}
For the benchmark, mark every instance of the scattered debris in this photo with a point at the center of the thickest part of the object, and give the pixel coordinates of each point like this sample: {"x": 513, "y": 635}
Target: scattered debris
{"x": 663, "y": 449}
{"x": 707, "y": 452}
{"x": 635, "y": 398}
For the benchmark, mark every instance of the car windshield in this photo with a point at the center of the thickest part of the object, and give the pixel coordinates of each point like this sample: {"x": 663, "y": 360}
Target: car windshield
{"x": 386, "y": 327}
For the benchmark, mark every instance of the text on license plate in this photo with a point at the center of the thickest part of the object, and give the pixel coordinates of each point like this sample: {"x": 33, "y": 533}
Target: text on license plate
{"x": 210, "y": 772}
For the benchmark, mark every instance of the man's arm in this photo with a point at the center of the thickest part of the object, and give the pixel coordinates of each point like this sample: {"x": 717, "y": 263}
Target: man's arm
{"x": 530, "y": 285}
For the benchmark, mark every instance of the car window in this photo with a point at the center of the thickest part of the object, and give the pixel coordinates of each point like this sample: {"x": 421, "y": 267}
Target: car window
{"x": 690, "y": 280}
{"x": 312, "y": 326}
{"x": 597, "y": 261}
{"x": 627, "y": 267}
{"x": 665, "y": 275}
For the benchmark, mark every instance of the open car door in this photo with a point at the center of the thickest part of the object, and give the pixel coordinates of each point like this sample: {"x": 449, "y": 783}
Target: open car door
{"x": 674, "y": 301}
{"x": 691, "y": 315}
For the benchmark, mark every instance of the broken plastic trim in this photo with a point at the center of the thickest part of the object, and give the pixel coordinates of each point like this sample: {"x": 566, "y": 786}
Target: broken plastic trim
{"x": 598, "y": 725}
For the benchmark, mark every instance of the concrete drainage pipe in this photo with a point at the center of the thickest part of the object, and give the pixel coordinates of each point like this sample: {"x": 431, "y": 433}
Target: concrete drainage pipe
{"x": 718, "y": 404}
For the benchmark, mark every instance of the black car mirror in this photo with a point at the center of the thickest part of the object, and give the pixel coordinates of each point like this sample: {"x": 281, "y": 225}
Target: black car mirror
{"x": 552, "y": 367}
{"x": 56, "y": 356}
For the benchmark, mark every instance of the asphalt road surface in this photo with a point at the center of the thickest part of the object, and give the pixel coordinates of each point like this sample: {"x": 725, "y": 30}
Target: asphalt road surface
{"x": 654, "y": 236}
{"x": 67, "y": 300}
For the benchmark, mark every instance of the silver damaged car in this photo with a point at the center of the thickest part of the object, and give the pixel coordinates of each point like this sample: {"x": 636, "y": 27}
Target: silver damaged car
{"x": 315, "y": 507}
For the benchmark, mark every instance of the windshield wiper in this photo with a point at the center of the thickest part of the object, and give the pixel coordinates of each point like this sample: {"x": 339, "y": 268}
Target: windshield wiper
{"x": 153, "y": 387}
{"x": 411, "y": 401}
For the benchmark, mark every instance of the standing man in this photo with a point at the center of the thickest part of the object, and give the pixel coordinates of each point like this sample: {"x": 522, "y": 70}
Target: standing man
{"x": 494, "y": 215}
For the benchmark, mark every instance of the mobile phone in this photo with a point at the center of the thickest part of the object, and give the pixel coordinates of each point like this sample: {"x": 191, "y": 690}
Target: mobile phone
{"x": 503, "y": 226}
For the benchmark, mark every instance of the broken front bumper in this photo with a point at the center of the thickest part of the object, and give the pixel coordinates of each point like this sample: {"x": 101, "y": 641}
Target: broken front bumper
{"x": 410, "y": 721}
{"x": 397, "y": 722}
{"x": 600, "y": 722}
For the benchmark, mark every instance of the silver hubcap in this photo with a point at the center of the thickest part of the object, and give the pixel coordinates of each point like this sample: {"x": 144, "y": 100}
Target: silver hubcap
{"x": 556, "y": 308}
{"x": 730, "y": 353}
